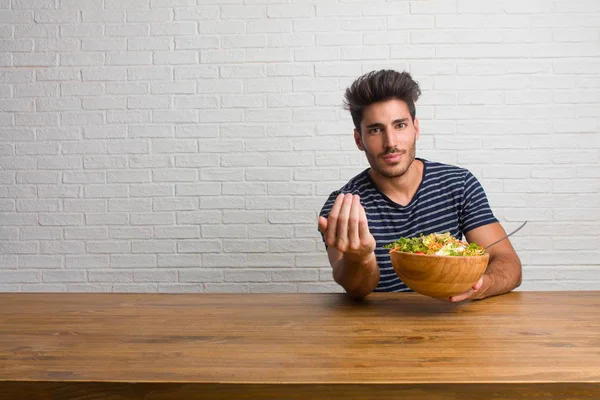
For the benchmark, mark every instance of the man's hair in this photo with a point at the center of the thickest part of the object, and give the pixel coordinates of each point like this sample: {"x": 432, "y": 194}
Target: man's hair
{"x": 378, "y": 86}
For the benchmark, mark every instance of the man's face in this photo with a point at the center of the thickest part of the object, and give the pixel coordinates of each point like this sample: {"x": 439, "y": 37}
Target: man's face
{"x": 388, "y": 137}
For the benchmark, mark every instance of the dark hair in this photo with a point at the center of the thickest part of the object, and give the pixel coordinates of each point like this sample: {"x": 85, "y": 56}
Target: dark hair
{"x": 378, "y": 86}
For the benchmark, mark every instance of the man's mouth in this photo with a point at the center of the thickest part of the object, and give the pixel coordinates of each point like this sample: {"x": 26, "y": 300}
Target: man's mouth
{"x": 393, "y": 157}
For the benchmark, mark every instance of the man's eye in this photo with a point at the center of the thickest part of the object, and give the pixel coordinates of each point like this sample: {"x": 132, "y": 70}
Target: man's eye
{"x": 401, "y": 126}
{"x": 375, "y": 130}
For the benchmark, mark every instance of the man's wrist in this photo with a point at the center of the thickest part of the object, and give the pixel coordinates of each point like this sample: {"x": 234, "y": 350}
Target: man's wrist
{"x": 359, "y": 259}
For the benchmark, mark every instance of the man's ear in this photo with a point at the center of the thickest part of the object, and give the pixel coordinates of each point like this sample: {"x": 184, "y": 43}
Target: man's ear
{"x": 417, "y": 131}
{"x": 358, "y": 140}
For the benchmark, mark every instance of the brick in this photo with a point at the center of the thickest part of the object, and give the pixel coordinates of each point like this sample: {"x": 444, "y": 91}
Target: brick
{"x": 151, "y": 190}
{"x": 105, "y": 191}
{"x": 133, "y": 261}
{"x": 250, "y": 246}
{"x": 201, "y": 275}
{"x": 175, "y": 116}
{"x": 155, "y": 15}
{"x": 179, "y": 260}
{"x": 179, "y": 232}
{"x": 15, "y": 163}
{"x": 7, "y": 205}
{"x": 155, "y": 275}
{"x": 149, "y": 161}
{"x": 238, "y": 101}
{"x": 86, "y": 233}
{"x": 37, "y": 119}
{"x": 197, "y": 13}
{"x": 36, "y": 89}
{"x": 269, "y": 231}
{"x": 9, "y": 233}
{"x": 154, "y": 218}
{"x": 247, "y": 275}
{"x": 224, "y": 231}
{"x": 64, "y": 276}
{"x": 107, "y": 219}
{"x": 224, "y": 202}
{"x": 29, "y": 205}
{"x": 43, "y": 288}
{"x": 7, "y": 277}
{"x": 84, "y": 177}
{"x": 295, "y": 275}
{"x": 198, "y": 189}
{"x": 89, "y": 288}
{"x": 37, "y": 177}
{"x": 153, "y": 246}
{"x": 110, "y": 276}
{"x": 131, "y": 233}
{"x": 175, "y": 204}
{"x": 197, "y": 130}
{"x": 270, "y": 260}
{"x": 198, "y": 246}
{"x": 175, "y": 175}
{"x": 175, "y": 58}
{"x": 314, "y": 260}
{"x": 222, "y": 56}
{"x": 128, "y": 176}
{"x": 107, "y": 247}
{"x": 34, "y": 30}
{"x": 292, "y": 217}
{"x": 137, "y": 205}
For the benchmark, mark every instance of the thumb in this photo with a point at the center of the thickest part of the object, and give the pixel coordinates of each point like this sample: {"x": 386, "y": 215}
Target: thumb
{"x": 322, "y": 224}
{"x": 478, "y": 284}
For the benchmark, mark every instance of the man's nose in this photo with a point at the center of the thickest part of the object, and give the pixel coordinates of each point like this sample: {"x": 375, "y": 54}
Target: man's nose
{"x": 389, "y": 139}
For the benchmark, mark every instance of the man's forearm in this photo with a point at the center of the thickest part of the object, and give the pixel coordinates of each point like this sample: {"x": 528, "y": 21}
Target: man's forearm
{"x": 502, "y": 275}
{"x": 357, "y": 277}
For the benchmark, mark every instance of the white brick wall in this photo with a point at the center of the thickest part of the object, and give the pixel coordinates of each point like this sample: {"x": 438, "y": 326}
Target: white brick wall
{"x": 187, "y": 145}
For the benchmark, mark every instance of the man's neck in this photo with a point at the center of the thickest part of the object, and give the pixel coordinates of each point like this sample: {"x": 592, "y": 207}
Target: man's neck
{"x": 400, "y": 190}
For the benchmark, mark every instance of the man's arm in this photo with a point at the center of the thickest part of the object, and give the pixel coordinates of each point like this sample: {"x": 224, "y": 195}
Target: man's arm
{"x": 358, "y": 276}
{"x": 503, "y": 273}
{"x": 350, "y": 246}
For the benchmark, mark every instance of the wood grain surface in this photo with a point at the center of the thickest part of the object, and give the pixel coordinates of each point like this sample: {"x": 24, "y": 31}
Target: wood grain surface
{"x": 171, "y": 346}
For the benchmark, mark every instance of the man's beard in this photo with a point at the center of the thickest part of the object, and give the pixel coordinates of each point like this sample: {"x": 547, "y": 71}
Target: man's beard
{"x": 395, "y": 173}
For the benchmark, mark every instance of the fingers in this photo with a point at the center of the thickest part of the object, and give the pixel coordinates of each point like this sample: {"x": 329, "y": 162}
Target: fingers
{"x": 460, "y": 297}
{"x": 330, "y": 234}
{"x": 353, "y": 236}
{"x": 363, "y": 224}
{"x": 346, "y": 227}
{"x": 322, "y": 224}
{"x": 342, "y": 223}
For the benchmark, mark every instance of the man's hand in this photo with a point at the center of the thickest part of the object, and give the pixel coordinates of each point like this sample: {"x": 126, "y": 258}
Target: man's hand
{"x": 350, "y": 246}
{"x": 346, "y": 228}
{"x": 471, "y": 294}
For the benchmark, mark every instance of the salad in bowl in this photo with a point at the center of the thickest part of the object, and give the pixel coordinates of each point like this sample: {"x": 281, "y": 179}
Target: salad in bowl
{"x": 439, "y": 244}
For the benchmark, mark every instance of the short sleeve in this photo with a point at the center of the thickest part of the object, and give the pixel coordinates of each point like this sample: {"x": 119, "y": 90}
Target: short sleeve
{"x": 475, "y": 210}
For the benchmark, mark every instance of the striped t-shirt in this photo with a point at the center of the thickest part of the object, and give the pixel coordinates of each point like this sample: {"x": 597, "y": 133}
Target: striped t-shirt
{"x": 449, "y": 199}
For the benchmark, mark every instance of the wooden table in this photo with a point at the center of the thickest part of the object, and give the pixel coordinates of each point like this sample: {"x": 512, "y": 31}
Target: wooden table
{"x": 542, "y": 345}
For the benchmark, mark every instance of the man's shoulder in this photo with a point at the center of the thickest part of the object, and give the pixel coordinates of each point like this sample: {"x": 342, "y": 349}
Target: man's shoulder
{"x": 436, "y": 170}
{"x": 356, "y": 185}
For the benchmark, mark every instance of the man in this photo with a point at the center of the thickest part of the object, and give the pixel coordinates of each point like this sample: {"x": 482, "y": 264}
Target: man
{"x": 401, "y": 195}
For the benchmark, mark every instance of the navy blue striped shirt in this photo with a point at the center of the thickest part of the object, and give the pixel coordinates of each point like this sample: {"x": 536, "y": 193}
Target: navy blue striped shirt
{"x": 449, "y": 199}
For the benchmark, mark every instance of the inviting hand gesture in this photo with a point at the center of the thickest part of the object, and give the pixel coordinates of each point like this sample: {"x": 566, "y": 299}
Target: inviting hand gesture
{"x": 346, "y": 227}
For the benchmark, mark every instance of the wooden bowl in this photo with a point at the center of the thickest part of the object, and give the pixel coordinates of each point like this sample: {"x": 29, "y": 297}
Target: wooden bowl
{"x": 438, "y": 276}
